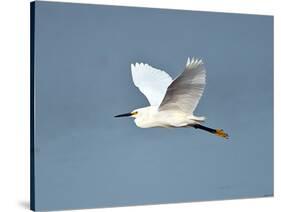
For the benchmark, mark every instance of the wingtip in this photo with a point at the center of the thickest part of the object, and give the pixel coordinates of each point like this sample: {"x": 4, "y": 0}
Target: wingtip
{"x": 194, "y": 61}
{"x": 139, "y": 64}
{"x": 188, "y": 61}
{"x": 136, "y": 66}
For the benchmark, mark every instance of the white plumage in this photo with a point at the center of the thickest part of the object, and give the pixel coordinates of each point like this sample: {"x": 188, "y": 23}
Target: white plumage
{"x": 172, "y": 102}
{"x": 186, "y": 90}
{"x": 152, "y": 82}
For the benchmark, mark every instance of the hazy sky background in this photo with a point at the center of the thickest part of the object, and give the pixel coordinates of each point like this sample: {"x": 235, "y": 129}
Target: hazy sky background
{"x": 86, "y": 158}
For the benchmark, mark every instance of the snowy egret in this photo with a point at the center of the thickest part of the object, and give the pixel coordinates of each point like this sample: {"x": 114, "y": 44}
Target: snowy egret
{"x": 172, "y": 102}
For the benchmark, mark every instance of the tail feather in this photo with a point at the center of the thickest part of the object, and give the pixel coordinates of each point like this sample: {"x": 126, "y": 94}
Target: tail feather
{"x": 198, "y": 118}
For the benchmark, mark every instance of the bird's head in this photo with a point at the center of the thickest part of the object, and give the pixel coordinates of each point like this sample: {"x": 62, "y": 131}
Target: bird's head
{"x": 143, "y": 116}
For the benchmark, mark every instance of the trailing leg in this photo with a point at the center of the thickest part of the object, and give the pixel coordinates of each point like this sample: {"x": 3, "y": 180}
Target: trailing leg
{"x": 218, "y": 132}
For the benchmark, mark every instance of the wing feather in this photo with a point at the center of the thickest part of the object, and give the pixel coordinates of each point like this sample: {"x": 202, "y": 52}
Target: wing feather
{"x": 186, "y": 90}
{"x": 152, "y": 82}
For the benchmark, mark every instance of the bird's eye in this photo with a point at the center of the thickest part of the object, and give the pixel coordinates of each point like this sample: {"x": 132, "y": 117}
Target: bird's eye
{"x": 135, "y": 113}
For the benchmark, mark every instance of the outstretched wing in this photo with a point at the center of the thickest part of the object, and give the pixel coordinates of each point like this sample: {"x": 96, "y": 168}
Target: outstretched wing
{"x": 186, "y": 90}
{"x": 152, "y": 82}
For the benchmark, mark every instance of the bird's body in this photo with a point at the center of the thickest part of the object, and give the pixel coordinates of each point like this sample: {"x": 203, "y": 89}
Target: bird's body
{"x": 151, "y": 117}
{"x": 172, "y": 102}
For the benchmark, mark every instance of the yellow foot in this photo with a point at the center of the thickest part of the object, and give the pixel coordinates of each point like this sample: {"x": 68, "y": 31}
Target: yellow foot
{"x": 221, "y": 133}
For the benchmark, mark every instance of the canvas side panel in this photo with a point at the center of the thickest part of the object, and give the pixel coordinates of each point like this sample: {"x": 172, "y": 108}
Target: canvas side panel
{"x": 32, "y": 152}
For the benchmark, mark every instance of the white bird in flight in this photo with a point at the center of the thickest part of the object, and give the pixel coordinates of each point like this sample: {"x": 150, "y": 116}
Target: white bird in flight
{"x": 172, "y": 102}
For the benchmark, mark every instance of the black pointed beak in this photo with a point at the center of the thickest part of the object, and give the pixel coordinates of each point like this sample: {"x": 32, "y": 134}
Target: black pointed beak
{"x": 123, "y": 115}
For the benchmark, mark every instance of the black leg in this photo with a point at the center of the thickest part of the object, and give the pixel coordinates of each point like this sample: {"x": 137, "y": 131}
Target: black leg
{"x": 218, "y": 132}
